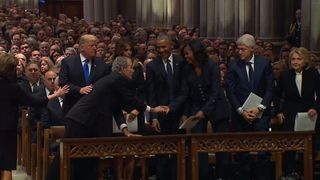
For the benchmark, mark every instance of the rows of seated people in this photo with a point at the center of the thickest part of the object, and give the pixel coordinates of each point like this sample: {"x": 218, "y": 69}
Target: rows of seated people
{"x": 42, "y": 44}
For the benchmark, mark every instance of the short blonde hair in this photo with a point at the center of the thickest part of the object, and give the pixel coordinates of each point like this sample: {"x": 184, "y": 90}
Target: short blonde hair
{"x": 303, "y": 53}
{"x": 8, "y": 64}
{"x": 86, "y": 38}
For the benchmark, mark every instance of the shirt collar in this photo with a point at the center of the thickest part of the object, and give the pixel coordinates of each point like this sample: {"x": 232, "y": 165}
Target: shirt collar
{"x": 82, "y": 58}
{"x": 170, "y": 58}
{"x": 252, "y": 59}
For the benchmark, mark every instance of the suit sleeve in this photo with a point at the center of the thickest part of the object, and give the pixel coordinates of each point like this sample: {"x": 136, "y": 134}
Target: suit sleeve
{"x": 277, "y": 98}
{"x": 231, "y": 86}
{"x": 118, "y": 116}
{"x": 150, "y": 76}
{"x": 266, "y": 101}
{"x": 45, "y": 118}
{"x": 214, "y": 78}
{"x": 317, "y": 91}
{"x": 129, "y": 101}
{"x": 64, "y": 78}
{"x": 180, "y": 100}
{"x": 27, "y": 99}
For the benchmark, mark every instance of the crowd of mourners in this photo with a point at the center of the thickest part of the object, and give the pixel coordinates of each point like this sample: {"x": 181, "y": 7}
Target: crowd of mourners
{"x": 174, "y": 71}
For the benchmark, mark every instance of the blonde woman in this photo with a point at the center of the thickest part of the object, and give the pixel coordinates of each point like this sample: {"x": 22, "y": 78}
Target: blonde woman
{"x": 300, "y": 89}
{"x": 45, "y": 64}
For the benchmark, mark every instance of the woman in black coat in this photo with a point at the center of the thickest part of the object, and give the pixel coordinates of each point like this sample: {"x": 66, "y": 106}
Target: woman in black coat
{"x": 11, "y": 97}
{"x": 204, "y": 99}
{"x": 299, "y": 91}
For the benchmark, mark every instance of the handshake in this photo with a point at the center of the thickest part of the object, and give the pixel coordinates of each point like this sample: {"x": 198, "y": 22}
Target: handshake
{"x": 160, "y": 109}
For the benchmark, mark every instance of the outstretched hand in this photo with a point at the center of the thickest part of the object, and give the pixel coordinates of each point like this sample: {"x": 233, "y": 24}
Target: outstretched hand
{"x": 62, "y": 91}
{"x": 160, "y": 109}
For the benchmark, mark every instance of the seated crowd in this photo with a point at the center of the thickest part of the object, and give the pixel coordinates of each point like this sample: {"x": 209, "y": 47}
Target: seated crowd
{"x": 174, "y": 71}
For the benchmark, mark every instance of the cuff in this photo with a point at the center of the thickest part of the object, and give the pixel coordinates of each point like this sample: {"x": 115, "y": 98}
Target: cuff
{"x": 148, "y": 109}
{"x": 123, "y": 126}
{"x": 240, "y": 110}
{"x": 260, "y": 106}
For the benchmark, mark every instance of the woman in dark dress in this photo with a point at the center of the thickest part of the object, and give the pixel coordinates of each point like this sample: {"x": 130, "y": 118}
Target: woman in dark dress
{"x": 204, "y": 96}
{"x": 298, "y": 90}
{"x": 11, "y": 97}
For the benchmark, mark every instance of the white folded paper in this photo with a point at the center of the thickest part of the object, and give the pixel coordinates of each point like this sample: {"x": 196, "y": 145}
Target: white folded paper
{"x": 132, "y": 126}
{"x": 252, "y": 101}
{"x": 189, "y": 123}
{"x": 304, "y": 123}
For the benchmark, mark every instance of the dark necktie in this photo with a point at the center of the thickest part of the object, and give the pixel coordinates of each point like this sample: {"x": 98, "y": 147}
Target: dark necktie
{"x": 86, "y": 71}
{"x": 170, "y": 78}
{"x": 249, "y": 64}
{"x": 34, "y": 87}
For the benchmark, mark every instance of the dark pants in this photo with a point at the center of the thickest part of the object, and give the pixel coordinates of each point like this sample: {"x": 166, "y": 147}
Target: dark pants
{"x": 249, "y": 167}
{"x": 223, "y": 159}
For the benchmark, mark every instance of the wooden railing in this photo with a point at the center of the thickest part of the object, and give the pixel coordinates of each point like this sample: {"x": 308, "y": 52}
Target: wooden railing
{"x": 121, "y": 146}
{"x": 180, "y": 144}
{"x": 254, "y": 142}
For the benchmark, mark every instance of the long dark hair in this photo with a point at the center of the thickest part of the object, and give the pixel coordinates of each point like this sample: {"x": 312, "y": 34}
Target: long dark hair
{"x": 198, "y": 50}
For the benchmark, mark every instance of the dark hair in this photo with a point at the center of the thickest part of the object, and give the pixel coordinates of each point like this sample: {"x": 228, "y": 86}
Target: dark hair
{"x": 121, "y": 45}
{"x": 198, "y": 50}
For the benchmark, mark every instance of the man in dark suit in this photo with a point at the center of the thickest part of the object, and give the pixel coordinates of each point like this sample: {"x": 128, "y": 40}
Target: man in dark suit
{"x": 81, "y": 71}
{"x": 164, "y": 76}
{"x": 52, "y": 114}
{"x": 33, "y": 85}
{"x": 92, "y": 115}
{"x": 248, "y": 74}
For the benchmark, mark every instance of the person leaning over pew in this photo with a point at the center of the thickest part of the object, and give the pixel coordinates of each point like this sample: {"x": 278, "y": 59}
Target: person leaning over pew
{"x": 11, "y": 97}
{"x": 92, "y": 115}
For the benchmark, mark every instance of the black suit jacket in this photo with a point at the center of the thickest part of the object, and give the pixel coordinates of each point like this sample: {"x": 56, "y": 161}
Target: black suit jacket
{"x": 11, "y": 96}
{"x": 239, "y": 88}
{"x": 52, "y": 114}
{"x": 158, "y": 90}
{"x": 292, "y": 102}
{"x": 109, "y": 96}
{"x": 34, "y": 113}
{"x": 209, "y": 98}
{"x": 71, "y": 73}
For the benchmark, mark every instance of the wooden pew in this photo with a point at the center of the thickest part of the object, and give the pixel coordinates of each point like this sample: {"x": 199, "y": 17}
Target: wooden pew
{"x": 26, "y": 141}
{"x": 275, "y": 142}
{"x": 121, "y": 146}
{"x": 50, "y": 135}
{"x": 253, "y": 142}
{"x": 39, "y": 161}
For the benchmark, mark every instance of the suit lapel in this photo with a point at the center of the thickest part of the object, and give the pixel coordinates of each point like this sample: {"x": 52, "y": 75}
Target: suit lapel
{"x": 293, "y": 81}
{"x": 78, "y": 65}
{"x": 161, "y": 67}
{"x": 243, "y": 71}
{"x": 93, "y": 70}
{"x": 176, "y": 68}
{"x": 257, "y": 70}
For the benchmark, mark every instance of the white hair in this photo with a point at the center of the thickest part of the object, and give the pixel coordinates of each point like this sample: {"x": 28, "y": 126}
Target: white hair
{"x": 119, "y": 63}
{"x": 247, "y": 40}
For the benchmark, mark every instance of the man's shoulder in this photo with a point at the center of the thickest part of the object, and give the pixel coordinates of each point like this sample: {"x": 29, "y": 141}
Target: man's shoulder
{"x": 71, "y": 59}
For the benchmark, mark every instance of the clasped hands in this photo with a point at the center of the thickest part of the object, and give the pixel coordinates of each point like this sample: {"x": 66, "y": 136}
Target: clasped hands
{"x": 251, "y": 115}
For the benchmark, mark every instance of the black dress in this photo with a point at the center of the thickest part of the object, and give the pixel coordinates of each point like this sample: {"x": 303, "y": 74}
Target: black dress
{"x": 11, "y": 96}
